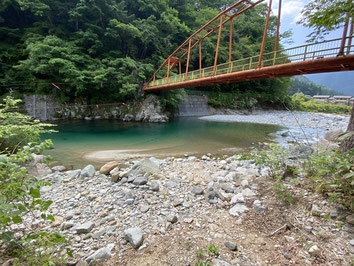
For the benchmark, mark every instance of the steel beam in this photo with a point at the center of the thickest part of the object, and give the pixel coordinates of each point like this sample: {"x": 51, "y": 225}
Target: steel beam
{"x": 332, "y": 64}
{"x": 265, "y": 34}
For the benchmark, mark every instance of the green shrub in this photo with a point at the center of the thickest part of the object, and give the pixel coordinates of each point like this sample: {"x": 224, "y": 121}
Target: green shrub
{"x": 302, "y": 103}
{"x": 16, "y": 129}
{"x": 333, "y": 175}
{"x": 20, "y": 192}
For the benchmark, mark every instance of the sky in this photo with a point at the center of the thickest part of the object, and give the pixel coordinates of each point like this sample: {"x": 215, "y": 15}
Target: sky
{"x": 291, "y": 14}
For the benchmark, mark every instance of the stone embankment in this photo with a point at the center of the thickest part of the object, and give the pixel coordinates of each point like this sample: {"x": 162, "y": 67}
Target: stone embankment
{"x": 168, "y": 212}
{"x": 47, "y": 108}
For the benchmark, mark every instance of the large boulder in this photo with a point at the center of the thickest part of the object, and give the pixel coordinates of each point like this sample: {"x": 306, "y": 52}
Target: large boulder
{"x": 108, "y": 167}
{"x": 88, "y": 171}
{"x": 151, "y": 111}
{"x": 145, "y": 166}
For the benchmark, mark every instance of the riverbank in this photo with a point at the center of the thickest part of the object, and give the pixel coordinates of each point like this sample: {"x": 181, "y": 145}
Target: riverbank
{"x": 302, "y": 127}
{"x": 172, "y": 211}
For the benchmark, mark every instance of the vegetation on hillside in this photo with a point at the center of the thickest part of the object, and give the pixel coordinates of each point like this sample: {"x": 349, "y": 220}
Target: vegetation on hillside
{"x": 307, "y": 87}
{"x": 302, "y": 103}
{"x": 103, "y": 50}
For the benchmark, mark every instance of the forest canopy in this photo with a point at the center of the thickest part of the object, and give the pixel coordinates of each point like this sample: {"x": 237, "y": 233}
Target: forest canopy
{"x": 103, "y": 50}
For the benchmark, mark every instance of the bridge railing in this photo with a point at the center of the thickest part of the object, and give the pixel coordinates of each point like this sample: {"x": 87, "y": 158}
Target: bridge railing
{"x": 313, "y": 51}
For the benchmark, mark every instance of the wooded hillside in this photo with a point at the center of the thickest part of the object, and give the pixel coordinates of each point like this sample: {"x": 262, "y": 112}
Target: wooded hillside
{"x": 101, "y": 50}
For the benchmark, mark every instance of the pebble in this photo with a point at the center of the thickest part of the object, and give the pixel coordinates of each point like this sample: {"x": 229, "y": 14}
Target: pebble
{"x": 140, "y": 181}
{"x": 231, "y": 246}
{"x": 315, "y": 210}
{"x": 314, "y": 250}
{"x": 85, "y": 228}
{"x": 197, "y": 191}
{"x": 101, "y": 254}
{"x": 238, "y": 209}
{"x": 155, "y": 186}
{"x": 134, "y": 236}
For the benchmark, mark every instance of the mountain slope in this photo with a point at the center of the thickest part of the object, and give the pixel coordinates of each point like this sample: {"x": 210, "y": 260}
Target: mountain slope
{"x": 307, "y": 87}
{"x": 340, "y": 81}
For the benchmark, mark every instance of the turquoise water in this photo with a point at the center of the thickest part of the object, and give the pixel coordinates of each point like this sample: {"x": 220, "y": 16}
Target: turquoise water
{"x": 76, "y": 139}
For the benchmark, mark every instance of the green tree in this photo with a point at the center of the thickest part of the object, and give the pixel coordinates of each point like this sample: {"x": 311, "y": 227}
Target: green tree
{"x": 326, "y": 16}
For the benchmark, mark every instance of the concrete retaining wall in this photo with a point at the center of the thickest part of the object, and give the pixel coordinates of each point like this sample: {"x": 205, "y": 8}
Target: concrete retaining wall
{"x": 194, "y": 105}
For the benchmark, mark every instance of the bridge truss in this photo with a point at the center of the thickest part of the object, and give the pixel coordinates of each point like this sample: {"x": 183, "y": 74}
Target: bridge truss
{"x": 326, "y": 56}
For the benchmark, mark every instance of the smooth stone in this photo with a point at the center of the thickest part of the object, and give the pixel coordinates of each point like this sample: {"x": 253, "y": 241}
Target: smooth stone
{"x": 238, "y": 198}
{"x": 177, "y": 202}
{"x": 155, "y": 186}
{"x": 244, "y": 183}
{"x": 231, "y": 246}
{"x": 73, "y": 174}
{"x": 308, "y": 228}
{"x": 314, "y": 250}
{"x": 100, "y": 233}
{"x": 172, "y": 218}
{"x": 144, "y": 208}
{"x": 238, "y": 209}
{"x": 197, "y": 191}
{"x": 248, "y": 193}
{"x": 59, "y": 168}
{"x": 134, "y": 236}
{"x": 105, "y": 169}
{"x": 101, "y": 254}
{"x": 351, "y": 242}
{"x": 85, "y": 228}
{"x": 257, "y": 205}
{"x": 141, "y": 180}
{"x": 88, "y": 171}
{"x": 227, "y": 188}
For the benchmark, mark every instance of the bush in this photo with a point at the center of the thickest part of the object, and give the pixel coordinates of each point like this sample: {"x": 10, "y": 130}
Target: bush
{"x": 302, "y": 103}
{"x": 16, "y": 129}
{"x": 231, "y": 100}
{"x": 20, "y": 192}
{"x": 333, "y": 175}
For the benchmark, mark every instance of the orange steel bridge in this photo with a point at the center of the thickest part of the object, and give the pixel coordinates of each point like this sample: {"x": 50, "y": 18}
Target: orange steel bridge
{"x": 326, "y": 56}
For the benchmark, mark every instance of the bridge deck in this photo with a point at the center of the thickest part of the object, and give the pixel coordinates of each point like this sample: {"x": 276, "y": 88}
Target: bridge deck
{"x": 306, "y": 59}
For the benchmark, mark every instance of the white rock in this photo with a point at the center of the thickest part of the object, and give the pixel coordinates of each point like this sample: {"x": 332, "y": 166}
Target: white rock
{"x": 88, "y": 171}
{"x": 244, "y": 183}
{"x": 238, "y": 198}
{"x": 101, "y": 254}
{"x": 134, "y": 236}
{"x": 248, "y": 193}
{"x": 314, "y": 250}
{"x": 238, "y": 209}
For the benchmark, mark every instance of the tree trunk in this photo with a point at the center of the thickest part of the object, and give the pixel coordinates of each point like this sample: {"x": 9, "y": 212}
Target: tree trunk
{"x": 351, "y": 121}
{"x": 348, "y": 143}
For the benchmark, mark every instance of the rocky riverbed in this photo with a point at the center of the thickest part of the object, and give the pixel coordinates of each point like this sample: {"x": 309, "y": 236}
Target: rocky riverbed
{"x": 303, "y": 127}
{"x": 173, "y": 211}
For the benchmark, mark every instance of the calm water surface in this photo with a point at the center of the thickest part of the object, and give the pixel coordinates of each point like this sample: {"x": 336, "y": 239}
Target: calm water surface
{"x": 188, "y": 135}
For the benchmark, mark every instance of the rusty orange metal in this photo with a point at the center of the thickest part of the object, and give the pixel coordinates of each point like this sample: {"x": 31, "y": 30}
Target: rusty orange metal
{"x": 292, "y": 69}
{"x": 321, "y": 60}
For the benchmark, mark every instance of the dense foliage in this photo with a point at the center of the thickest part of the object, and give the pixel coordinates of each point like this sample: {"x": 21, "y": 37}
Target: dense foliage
{"x": 307, "y": 87}
{"x": 300, "y": 102}
{"x": 16, "y": 129}
{"x": 20, "y": 195}
{"x": 103, "y": 50}
{"x": 325, "y": 16}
